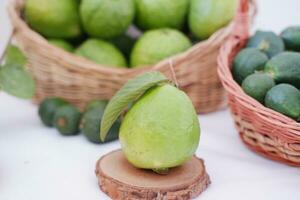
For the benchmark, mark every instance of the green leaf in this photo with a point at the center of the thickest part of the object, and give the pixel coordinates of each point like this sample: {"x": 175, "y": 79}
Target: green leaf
{"x": 17, "y": 81}
{"x": 130, "y": 92}
{"x": 14, "y": 55}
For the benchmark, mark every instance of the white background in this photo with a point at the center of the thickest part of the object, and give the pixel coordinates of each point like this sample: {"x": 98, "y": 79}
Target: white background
{"x": 36, "y": 163}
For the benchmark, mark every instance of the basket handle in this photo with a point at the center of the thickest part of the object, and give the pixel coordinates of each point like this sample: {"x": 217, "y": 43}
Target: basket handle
{"x": 245, "y": 14}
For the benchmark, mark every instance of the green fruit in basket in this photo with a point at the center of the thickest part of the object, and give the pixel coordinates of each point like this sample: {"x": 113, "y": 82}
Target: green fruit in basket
{"x": 54, "y": 18}
{"x": 154, "y": 14}
{"x": 266, "y": 41}
{"x": 284, "y": 98}
{"x": 62, "y": 44}
{"x": 91, "y": 125}
{"x": 257, "y": 86}
{"x": 47, "y": 109}
{"x": 285, "y": 68}
{"x": 96, "y": 103}
{"x": 106, "y": 18}
{"x": 208, "y": 16}
{"x": 247, "y": 62}
{"x": 101, "y": 52}
{"x": 291, "y": 38}
{"x": 156, "y": 45}
{"x": 161, "y": 129}
{"x": 67, "y": 119}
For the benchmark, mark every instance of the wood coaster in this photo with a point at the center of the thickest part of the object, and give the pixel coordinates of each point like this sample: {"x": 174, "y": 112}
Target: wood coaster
{"x": 122, "y": 181}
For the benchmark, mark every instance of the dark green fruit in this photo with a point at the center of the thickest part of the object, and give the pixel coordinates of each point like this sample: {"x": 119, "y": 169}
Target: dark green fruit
{"x": 90, "y": 124}
{"x": 285, "y": 68}
{"x": 67, "y": 119}
{"x": 247, "y": 62}
{"x": 257, "y": 86}
{"x": 284, "y": 98}
{"x": 96, "y": 103}
{"x": 291, "y": 38}
{"x": 268, "y": 42}
{"x": 47, "y": 109}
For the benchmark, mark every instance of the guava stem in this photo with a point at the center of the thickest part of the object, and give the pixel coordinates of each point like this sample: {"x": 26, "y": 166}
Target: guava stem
{"x": 161, "y": 171}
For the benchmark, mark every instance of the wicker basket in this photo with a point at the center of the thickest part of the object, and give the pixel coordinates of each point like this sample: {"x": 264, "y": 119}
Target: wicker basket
{"x": 263, "y": 130}
{"x": 59, "y": 73}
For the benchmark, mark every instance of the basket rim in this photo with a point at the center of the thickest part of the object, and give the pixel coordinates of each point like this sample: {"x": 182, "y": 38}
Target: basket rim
{"x": 234, "y": 89}
{"x": 18, "y": 21}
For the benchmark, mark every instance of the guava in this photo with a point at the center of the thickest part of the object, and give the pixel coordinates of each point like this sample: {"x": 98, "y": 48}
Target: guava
{"x": 153, "y": 14}
{"x": 208, "y": 16}
{"x": 54, "y": 18}
{"x": 62, "y": 44}
{"x": 161, "y": 130}
{"x": 156, "y": 45}
{"x": 101, "y": 52}
{"x": 106, "y": 18}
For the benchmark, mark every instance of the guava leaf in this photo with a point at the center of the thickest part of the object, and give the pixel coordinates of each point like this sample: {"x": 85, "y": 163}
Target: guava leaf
{"x": 14, "y": 55}
{"x": 16, "y": 81}
{"x": 130, "y": 92}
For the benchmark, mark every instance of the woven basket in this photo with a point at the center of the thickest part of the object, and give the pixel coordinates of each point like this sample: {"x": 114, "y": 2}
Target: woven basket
{"x": 263, "y": 130}
{"x": 62, "y": 74}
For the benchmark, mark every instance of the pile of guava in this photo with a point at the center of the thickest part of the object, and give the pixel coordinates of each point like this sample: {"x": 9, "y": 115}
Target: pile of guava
{"x": 127, "y": 33}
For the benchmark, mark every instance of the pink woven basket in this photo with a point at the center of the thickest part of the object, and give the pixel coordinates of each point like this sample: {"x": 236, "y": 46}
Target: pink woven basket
{"x": 263, "y": 130}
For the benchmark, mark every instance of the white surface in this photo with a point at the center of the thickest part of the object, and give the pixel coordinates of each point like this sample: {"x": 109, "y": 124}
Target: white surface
{"x": 36, "y": 163}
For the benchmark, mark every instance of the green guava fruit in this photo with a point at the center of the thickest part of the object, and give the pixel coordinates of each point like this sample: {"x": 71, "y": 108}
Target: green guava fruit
{"x": 54, "y": 18}
{"x": 106, "y": 18}
{"x": 208, "y": 16}
{"x": 154, "y": 14}
{"x": 156, "y": 45}
{"x": 161, "y": 130}
{"x": 62, "y": 44}
{"x": 101, "y": 52}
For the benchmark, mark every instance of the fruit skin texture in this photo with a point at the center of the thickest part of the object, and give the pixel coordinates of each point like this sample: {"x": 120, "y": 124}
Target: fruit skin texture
{"x": 154, "y": 14}
{"x": 268, "y": 42}
{"x": 161, "y": 130}
{"x": 61, "y": 44}
{"x": 91, "y": 121}
{"x": 247, "y": 62}
{"x": 257, "y": 86}
{"x": 208, "y": 16}
{"x": 156, "y": 45}
{"x": 106, "y": 18}
{"x": 285, "y": 99}
{"x": 291, "y": 38}
{"x": 67, "y": 119}
{"x": 54, "y": 18}
{"x": 101, "y": 52}
{"x": 47, "y": 109}
{"x": 285, "y": 68}
{"x": 96, "y": 103}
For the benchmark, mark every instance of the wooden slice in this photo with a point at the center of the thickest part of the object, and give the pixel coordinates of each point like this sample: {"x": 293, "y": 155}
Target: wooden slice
{"x": 122, "y": 181}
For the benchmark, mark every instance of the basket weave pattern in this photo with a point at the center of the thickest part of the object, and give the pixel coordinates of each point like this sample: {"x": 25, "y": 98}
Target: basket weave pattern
{"x": 263, "y": 130}
{"x": 59, "y": 73}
